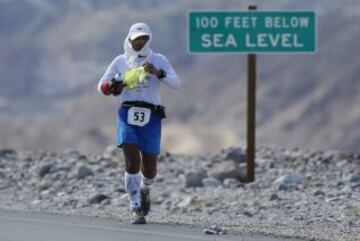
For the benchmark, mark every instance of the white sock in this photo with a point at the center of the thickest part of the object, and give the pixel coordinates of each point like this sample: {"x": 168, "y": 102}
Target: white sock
{"x": 132, "y": 186}
{"x": 146, "y": 183}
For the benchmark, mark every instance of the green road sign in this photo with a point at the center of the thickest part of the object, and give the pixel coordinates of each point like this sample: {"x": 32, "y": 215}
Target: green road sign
{"x": 252, "y": 31}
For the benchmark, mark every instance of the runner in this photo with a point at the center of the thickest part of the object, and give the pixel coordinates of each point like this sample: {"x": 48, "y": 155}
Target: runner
{"x": 135, "y": 76}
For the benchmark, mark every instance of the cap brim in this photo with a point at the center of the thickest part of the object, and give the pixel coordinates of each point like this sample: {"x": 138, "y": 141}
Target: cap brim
{"x": 138, "y": 34}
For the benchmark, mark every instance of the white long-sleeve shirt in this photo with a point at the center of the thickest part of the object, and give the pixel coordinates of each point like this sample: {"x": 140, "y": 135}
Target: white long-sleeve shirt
{"x": 149, "y": 91}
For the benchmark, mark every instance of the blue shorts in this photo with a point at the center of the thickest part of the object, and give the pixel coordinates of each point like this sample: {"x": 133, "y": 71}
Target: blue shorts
{"x": 146, "y": 137}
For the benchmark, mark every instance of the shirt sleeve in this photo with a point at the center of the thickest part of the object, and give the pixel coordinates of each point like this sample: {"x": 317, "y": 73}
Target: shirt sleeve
{"x": 109, "y": 73}
{"x": 172, "y": 79}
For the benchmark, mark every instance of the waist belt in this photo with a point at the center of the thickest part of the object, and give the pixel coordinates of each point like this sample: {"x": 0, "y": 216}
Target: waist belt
{"x": 158, "y": 109}
{"x": 142, "y": 104}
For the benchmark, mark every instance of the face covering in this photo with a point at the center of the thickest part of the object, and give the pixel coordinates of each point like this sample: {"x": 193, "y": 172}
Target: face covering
{"x": 137, "y": 58}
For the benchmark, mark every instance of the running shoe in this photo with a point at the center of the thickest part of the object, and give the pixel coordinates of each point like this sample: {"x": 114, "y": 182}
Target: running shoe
{"x": 145, "y": 201}
{"x": 139, "y": 217}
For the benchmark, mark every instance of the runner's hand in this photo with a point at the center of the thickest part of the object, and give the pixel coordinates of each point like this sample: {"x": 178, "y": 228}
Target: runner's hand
{"x": 151, "y": 69}
{"x": 115, "y": 86}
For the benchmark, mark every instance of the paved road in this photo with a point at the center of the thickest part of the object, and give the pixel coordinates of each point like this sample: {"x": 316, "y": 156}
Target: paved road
{"x": 20, "y": 226}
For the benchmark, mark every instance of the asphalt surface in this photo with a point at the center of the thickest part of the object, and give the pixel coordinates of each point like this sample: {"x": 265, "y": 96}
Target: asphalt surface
{"x": 27, "y": 226}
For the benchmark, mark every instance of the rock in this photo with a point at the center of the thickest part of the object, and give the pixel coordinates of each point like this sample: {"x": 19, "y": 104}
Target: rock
{"x": 228, "y": 169}
{"x": 215, "y": 230}
{"x": 98, "y": 198}
{"x": 242, "y": 168}
{"x": 106, "y": 202}
{"x": 355, "y": 185}
{"x": 45, "y": 169}
{"x": 4, "y": 185}
{"x": 265, "y": 162}
{"x": 346, "y": 189}
{"x": 157, "y": 199}
{"x": 194, "y": 179}
{"x": 84, "y": 171}
{"x": 288, "y": 182}
{"x": 111, "y": 151}
{"x": 318, "y": 193}
{"x": 120, "y": 190}
{"x": 355, "y": 178}
{"x": 36, "y": 202}
{"x": 237, "y": 155}
{"x": 211, "y": 182}
{"x": 70, "y": 203}
{"x": 44, "y": 186}
{"x": 71, "y": 153}
{"x": 187, "y": 200}
{"x": 340, "y": 164}
{"x": 332, "y": 199}
{"x": 231, "y": 183}
{"x": 109, "y": 163}
{"x": 248, "y": 214}
{"x": 190, "y": 203}
{"x": 124, "y": 196}
{"x": 274, "y": 197}
{"x": 7, "y": 152}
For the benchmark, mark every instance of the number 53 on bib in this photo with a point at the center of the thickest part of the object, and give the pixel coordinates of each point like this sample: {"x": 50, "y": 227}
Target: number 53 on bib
{"x": 139, "y": 116}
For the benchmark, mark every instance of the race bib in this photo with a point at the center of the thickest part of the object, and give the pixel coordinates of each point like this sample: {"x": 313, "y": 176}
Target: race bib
{"x": 138, "y": 116}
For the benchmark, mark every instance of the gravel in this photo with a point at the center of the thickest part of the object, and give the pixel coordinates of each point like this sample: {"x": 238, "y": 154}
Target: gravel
{"x": 314, "y": 195}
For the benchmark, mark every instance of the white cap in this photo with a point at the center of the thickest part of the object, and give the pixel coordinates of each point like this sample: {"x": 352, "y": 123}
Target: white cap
{"x": 139, "y": 29}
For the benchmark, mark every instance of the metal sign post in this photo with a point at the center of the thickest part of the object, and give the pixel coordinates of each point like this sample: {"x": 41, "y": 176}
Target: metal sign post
{"x": 251, "y": 116}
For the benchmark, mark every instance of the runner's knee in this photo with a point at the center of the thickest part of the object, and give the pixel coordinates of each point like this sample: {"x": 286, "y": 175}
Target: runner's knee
{"x": 149, "y": 174}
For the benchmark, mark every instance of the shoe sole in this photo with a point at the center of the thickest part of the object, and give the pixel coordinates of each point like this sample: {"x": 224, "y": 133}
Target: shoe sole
{"x": 139, "y": 220}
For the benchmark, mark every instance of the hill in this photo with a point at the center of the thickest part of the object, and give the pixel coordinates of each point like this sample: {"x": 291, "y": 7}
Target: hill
{"x": 53, "y": 53}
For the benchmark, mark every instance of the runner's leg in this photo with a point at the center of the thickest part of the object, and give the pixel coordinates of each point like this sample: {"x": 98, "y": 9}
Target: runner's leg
{"x": 148, "y": 169}
{"x": 132, "y": 176}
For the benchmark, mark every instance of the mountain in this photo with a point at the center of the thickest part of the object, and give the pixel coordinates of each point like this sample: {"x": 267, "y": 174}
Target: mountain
{"x": 54, "y": 52}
